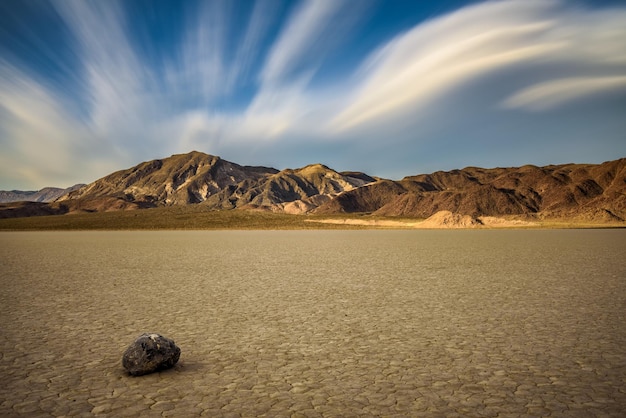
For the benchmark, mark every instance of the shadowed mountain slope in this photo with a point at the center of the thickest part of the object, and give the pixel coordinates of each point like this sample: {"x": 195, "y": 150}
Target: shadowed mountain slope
{"x": 578, "y": 191}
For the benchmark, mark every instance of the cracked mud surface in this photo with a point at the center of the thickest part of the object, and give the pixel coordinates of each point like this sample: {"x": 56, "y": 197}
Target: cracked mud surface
{"x": 316, "y": 324}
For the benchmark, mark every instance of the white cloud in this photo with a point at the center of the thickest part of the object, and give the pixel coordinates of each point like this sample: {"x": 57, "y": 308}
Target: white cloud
{"x": 553, "y": 93}
{"x": 263, "y": 16}
{"x": 304, "y": 33}
{"x": 125, "y": 99}
{"x": 471, "y": 70}
{"x": 47, "y": 146}
{"x": 434, "y": 58}
{"x": 50, "y": 145}
{"x": 200, "y": 70}
{"x": 282, "y": 107}
{"x": 196, "y": 130}
{"x": 115, "y": 80}
{"x": 274, "y": 116}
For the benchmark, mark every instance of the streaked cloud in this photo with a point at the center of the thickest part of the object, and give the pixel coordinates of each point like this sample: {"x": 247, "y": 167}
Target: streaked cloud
{"x": 550, "y": 94}
{"x": 262, "y": 19}
{"x": 257, "y": 83}
{"x": 35, "y": 128}
{"x": 198, "y": 73}
{"x": 113, "y": 74}
{"x": 543, "y": 37}
{"x": 308, "y": 29}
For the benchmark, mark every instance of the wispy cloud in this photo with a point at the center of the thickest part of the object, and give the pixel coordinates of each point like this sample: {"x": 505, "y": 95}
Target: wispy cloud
{"x": 263, "y": 17}
{"x": 198, "y": 73}
{"x": 35, "y": 128}
{"x": 439, "y": 55}
{"x": 112, "y": 72}
{"x": 282, "y": 104}
{"x": 254, "y": 82}
{"x": 550, "y": 94}
{"x": 544, "y": 38}
{"x": 305, "y": 35}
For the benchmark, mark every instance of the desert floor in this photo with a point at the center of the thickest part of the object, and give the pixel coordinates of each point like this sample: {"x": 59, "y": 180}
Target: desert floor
{"x": 316, "y": 323}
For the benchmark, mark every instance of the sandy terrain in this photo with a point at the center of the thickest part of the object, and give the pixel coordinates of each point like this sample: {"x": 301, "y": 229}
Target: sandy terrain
{"x": 367, "y": 222}
{"x": 440, "y": 220}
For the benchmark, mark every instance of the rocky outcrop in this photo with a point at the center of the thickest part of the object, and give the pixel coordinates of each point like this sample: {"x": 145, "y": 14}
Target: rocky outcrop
{"x": 150, "y": 353}
{"x": 291, "y": 191}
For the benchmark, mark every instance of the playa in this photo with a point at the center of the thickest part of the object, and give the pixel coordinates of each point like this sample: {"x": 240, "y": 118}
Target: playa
{"x": 316, "y": 323}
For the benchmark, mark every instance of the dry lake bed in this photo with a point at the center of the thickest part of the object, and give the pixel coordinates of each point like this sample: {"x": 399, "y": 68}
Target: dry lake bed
{"x": 316, "y": 323}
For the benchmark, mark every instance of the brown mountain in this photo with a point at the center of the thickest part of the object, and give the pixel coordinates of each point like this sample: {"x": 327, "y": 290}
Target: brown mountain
{"x": 291, "y": 191}
{"x": 576, "y": 191}
{"x": 216, "y": 183}
{"x": 178, "y": 180}
{"x": 580, "y": 192}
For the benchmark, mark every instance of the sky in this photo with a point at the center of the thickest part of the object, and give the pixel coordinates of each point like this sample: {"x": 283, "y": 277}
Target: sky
{"x": 389, "y": 87}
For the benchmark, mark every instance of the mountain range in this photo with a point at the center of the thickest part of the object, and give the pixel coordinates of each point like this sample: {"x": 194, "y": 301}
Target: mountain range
{"x": 581, "y": 192}
{"x": 47, "y": 194}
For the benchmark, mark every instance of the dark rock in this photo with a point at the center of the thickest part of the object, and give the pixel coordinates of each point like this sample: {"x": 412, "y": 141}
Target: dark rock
{"x": 150, "y": 353}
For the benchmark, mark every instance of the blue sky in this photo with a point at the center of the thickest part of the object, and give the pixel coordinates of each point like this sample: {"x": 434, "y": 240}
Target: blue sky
{"x": 389, "y": 87}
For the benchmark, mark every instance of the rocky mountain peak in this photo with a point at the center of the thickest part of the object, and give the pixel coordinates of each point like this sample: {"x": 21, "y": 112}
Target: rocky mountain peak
{"x": 179, "y": 179}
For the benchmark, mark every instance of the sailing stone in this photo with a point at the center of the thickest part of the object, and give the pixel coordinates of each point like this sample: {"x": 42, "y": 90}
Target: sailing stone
{"x": 149, "y": 353}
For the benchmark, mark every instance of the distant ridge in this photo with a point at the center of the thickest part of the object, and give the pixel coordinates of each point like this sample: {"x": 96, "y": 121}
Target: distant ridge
{"x": 47, "y": 194}
{"x": 579, "y": 192}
